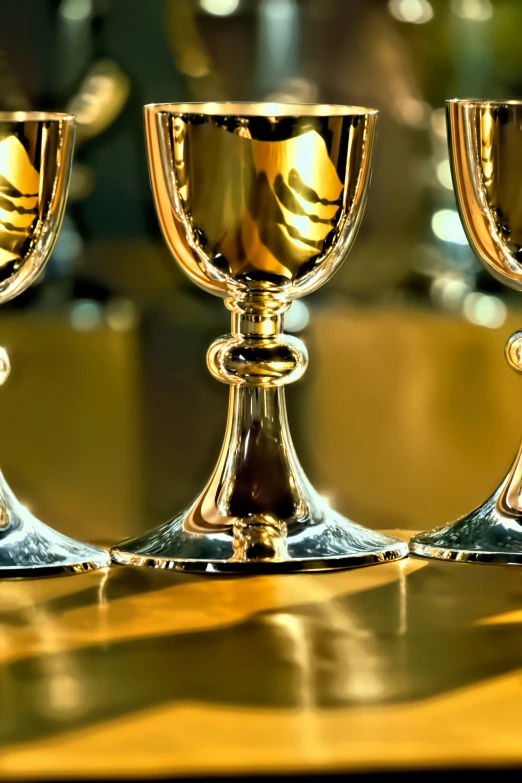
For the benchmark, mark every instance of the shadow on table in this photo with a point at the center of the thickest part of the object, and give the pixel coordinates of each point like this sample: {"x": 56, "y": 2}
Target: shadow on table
{"x": 83, "y": 652}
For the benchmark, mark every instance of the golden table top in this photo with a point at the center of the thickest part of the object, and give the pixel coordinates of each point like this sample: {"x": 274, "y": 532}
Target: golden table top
{"x": 137, "y": 672}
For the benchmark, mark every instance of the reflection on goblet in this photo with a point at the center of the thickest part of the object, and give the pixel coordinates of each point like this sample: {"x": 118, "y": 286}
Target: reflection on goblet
{"x": 259, "y": 204}
{"x": 35, "y": 164}
{"x": 485, "y": 143}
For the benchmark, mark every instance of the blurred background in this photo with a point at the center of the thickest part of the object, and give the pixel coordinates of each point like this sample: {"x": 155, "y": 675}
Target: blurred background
{"x": 408, "y": 415}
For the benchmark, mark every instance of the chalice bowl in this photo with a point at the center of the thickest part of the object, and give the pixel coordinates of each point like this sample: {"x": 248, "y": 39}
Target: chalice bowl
{"x": 485, "y": 145}
{"x": 35, "y": 164}
{"x": 259, "y": 204}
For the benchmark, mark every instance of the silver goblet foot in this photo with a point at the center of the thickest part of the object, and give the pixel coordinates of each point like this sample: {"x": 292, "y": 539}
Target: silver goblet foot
{"x": 30, "y": 548}
{"x": 489, "y": 534}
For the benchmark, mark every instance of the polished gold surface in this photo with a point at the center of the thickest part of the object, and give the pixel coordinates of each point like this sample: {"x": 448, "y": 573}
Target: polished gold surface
{"x": 35, "y": 165}
{"x": 35, "y": 161}
{"x": 259, "y": 197}
{"x": 485, "y": 143}
{"x": 259, "y": 203}
{"x": 486, "y": 157}
{"x": 125, "y": 673}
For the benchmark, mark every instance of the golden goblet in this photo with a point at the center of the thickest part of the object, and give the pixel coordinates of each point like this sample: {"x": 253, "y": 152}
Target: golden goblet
{"x": 35, "y": 164}
{"x": 485, "y": 144}
{"x": 259, "y": 203}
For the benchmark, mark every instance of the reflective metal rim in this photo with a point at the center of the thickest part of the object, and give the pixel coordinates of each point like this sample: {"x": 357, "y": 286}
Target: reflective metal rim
{"x": 464, "y": 555}
{"x": 263, "y": 567}
{"x": 55, "y": 569}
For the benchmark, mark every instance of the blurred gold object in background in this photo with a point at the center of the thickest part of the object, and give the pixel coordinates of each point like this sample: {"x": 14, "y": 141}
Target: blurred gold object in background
{"x": 259, "y": 203}
{"x": 99, "y": 100}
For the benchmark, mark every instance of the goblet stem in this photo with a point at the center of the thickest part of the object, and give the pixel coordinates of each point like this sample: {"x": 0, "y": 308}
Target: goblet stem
{"x": 261, "y": 473}
{"x": 261, "y": 483}
{"x": 258, "y": 510}
{"x": 509, "y": 496}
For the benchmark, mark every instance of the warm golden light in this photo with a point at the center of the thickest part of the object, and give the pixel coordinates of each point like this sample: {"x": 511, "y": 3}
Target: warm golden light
{"x": 413, "y": 11}
{"x": 473, "y": 10}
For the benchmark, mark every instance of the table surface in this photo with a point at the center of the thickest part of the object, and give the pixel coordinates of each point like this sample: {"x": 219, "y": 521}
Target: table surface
{"x": 137, "y": 672}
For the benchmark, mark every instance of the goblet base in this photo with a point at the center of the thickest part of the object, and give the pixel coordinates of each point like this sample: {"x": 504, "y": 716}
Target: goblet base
{"x": 486, "y": 535}
{"x": 29, "y": 548}
{"x": 253, "y": 546}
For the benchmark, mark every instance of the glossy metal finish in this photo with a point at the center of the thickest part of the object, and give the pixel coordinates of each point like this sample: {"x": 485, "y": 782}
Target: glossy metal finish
{"x": 259, "y": 203}
{"x": 35, "y": 164}
{"x": 485, "y": 141}
{"x": 258, "y": 511}
{"x": 30, "y": 548}
{"x": 259, "y": 197}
